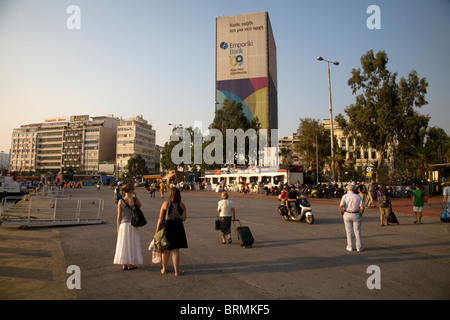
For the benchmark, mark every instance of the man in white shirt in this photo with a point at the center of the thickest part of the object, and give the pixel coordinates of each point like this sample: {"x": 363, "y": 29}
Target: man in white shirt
{"x": 446, "y": 194}
{"x": 352, "y": 208}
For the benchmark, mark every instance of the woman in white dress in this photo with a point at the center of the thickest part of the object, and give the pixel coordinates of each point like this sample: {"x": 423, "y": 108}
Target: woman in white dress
{"x": 226, "y": 214}
{"x": 128, "y": 247}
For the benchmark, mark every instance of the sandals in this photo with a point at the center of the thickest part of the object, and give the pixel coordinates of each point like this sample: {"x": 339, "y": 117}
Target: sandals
{"x": 179, "y": 273}
{"x": 125, "y": 267}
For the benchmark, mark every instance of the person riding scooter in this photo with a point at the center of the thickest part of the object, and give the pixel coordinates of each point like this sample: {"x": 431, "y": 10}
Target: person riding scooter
{"x": 292, "y": 198}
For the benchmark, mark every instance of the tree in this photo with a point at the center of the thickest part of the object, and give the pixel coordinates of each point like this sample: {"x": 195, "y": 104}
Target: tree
{"x": 437, "y": 145}
{"x": 136, "y": 166}
{"x": 231, "y": 116}
{"x": 286, "y": 155}
{"x": 339, "y": 161}
{"x": 384, "y": 114}
{"x": 308, "y": 130}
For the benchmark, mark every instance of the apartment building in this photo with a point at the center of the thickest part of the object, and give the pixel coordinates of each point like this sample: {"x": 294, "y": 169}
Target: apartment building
{"x": 289, "y": 143}
{"x": 58, "y": 144}
{"x": 363, "y": 156}
{"x": 135, "y": 136}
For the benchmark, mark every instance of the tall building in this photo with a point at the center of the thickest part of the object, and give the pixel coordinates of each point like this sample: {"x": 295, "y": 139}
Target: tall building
{"x": 246, "y": 66}
{"x": 60, "y": 144}
{"x": 136, "y": 136}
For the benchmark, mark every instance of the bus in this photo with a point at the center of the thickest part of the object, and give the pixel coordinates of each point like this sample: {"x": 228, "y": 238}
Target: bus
{"x": 268, "y": 176}
{"x": 92, "y": 179}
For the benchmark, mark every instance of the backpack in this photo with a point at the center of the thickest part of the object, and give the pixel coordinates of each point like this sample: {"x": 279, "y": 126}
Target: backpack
{"x": 445, "y": 216}
{"x": 383, "y": 200}
{"x": 392, "y": 218}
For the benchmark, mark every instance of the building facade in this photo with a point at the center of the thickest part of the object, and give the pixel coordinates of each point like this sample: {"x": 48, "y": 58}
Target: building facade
{"x": 363, "y": 156}
{"x": 289, "y": 142}
{"x": 136, "y": 136}
{"x": 246, "y": 68}
{"x": 59, "y": 144}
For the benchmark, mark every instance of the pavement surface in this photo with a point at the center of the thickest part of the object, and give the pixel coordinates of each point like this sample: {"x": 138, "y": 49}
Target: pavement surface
{"x": 289, "y": 260}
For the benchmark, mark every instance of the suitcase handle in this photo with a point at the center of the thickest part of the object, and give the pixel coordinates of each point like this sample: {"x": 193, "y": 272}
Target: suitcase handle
{"x": 235, "y": 224}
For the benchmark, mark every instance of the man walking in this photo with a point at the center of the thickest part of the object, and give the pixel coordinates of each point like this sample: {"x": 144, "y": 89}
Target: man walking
{"x": 352, "y": 208}
{"x": 371, "y": 192}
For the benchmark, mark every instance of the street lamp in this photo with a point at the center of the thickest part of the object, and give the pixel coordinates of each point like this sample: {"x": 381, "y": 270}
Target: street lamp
{"x": 331, "y": 113}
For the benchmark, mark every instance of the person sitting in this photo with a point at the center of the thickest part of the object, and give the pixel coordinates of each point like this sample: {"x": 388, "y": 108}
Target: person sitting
{"x": 292, "y": 197}
{"x": 283, "y": 198}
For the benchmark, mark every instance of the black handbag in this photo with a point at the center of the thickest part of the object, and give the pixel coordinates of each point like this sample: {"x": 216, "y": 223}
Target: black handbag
{"x": 137, "y": 216}
{"x": 218, "y": 224}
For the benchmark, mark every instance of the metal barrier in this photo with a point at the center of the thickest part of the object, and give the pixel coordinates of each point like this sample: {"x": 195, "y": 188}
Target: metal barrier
{"x": 35, "y": 211}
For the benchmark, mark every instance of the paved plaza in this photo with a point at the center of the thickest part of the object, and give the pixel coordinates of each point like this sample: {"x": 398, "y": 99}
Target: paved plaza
{"x": 289, "y": 260}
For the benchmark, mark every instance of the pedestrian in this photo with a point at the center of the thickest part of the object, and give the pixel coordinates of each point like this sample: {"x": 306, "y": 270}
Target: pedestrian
{"x": 162, "y": 186}
{"x": 418, "y": 203}
{"x": 175, "y": 233}
{"x": 128, "y": 246}
{"x": 362, "y": 191}
{"x": 446, "y": 194}
{"x": 372, "y": 189}
{"x": 117, "y": 195}
{"x": 384, "y": 203}
{"x": 227, "y": 213}
{"x": 153, "y": 189}
{"x": 352, "y": 208}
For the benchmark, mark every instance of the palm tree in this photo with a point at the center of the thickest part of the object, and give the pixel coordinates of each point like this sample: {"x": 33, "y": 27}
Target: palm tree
{"x": 286, "y": 155}
{"x": 339, "y": 160}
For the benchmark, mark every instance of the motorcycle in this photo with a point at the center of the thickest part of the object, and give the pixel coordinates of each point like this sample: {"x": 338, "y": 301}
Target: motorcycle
{"x": 302, "y": 211}
{"x": 408, "y": 192}
{"x": 311, "y": 191}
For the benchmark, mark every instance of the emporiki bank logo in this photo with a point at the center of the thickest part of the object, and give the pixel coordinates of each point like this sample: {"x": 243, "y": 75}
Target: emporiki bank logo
{"x": 236, "y": 59}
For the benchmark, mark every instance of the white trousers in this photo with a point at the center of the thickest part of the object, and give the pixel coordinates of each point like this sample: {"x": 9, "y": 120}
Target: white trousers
{"x": 353, "y": 223}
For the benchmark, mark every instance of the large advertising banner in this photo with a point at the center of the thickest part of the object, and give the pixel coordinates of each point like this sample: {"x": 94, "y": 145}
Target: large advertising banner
{"x": 242, "y": 63}
{"x": 242, "y": 46}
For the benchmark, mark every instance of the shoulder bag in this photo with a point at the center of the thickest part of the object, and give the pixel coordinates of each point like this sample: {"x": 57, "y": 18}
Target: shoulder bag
{"x": 137, "y": 216}
{"x": 160, "y": 238}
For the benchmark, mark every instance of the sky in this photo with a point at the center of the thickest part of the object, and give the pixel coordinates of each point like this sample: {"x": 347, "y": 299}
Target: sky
{"x": 157, "y": 58}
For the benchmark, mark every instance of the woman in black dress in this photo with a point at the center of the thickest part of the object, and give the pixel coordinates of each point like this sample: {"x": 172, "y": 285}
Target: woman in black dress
{"x": 175, "y": 232}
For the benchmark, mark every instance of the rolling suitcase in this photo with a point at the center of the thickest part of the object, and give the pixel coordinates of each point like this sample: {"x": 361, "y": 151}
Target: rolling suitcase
{"x": 244, "y": 235}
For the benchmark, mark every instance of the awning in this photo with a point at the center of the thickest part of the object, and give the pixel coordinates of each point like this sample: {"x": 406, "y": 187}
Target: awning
{"x": 169, "y": 175}
{"x": 154, "y": 176}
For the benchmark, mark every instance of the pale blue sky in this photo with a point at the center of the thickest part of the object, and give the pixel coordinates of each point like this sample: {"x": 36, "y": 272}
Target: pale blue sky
{"x": 156, "y": 58}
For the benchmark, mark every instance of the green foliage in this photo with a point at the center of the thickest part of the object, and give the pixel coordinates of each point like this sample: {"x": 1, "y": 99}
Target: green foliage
{"x": 384, "y": 114}
{"x": 136, "y": 166}
{"x": 308, "y": 130}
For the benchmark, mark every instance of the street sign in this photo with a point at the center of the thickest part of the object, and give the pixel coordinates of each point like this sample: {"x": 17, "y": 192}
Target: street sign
{"x": 369, "y": 169}
{"x": 368, "y": 174}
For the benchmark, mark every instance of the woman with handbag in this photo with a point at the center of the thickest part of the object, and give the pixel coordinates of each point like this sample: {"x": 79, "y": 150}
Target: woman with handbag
{"x": 128, "y": 247}
{"x": 226, "y": 214}
{"x": 171, "y": 217}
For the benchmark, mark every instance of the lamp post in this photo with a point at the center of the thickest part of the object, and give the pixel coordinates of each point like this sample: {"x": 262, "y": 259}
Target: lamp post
{"x": 331, "y": 113}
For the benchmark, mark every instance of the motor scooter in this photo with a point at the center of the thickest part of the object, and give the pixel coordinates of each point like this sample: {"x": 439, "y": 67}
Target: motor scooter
{"x": 301, "y": 212}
